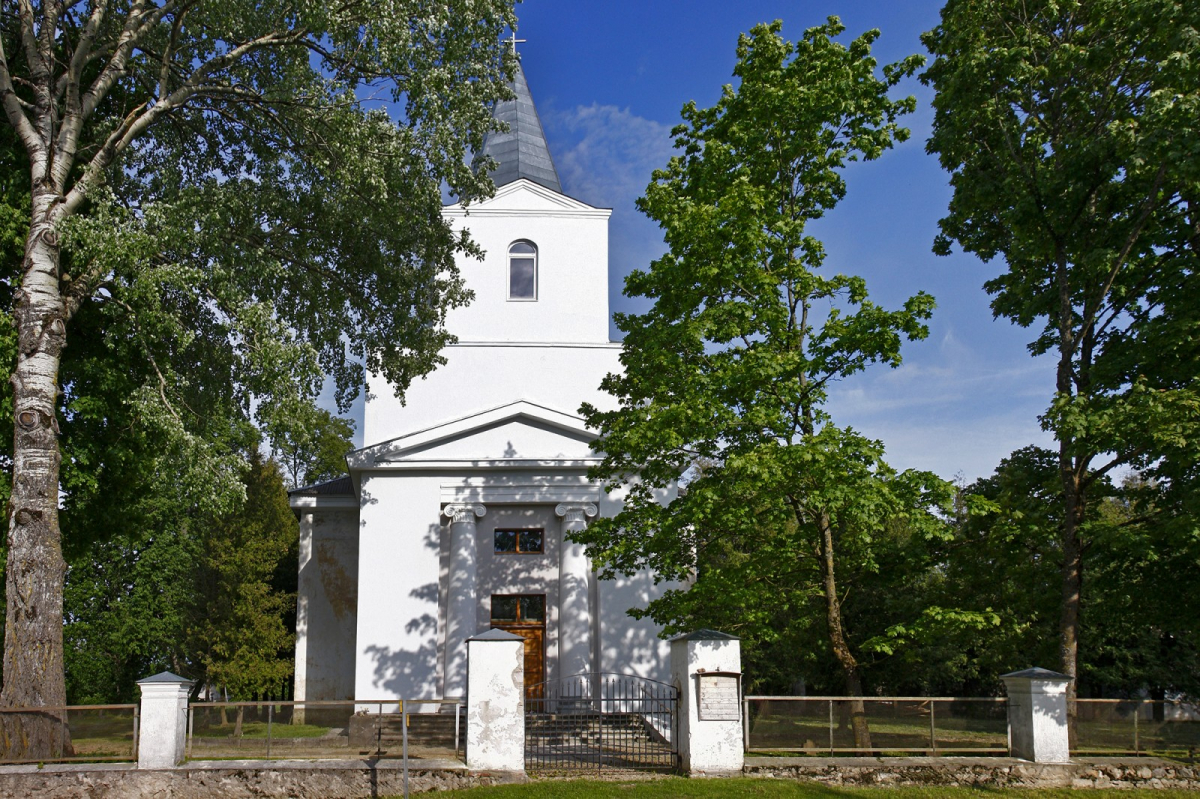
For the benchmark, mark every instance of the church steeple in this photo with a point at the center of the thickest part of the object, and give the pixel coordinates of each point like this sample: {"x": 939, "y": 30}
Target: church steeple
{"x": 522, "y": 151}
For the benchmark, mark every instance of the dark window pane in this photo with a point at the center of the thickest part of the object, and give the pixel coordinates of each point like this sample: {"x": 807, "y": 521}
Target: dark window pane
{"x": 531, "y": 541}
{"x": 504, "y": 608}
{"x": 506, "y": 540}
{"x": 522, "y": 248}
{"x": 533, "y": 608}
{"x": 521, "y": 282}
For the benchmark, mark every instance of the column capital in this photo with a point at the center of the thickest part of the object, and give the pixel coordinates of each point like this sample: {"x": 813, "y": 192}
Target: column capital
{"x": 459, "y": 513}
{"x": 576, "y": 511}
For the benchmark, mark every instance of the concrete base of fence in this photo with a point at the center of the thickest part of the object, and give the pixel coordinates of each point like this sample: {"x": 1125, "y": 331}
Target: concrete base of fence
{"x": 981, "y": 772}
{"x": 243, "y": 779}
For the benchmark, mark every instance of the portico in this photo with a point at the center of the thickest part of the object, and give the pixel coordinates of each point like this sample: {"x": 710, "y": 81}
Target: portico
{"x": 463, "y": 502}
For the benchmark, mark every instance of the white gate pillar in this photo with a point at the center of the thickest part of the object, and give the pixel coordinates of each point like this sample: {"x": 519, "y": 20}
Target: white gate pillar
{"x": 574, "y": 612}
{"x": 706, "y": 667}
{"x": 162, "y": 722}
{"x": 496, "y": 702}
{"x": 1037, "y": 715}
{"x": 461, "y": 616}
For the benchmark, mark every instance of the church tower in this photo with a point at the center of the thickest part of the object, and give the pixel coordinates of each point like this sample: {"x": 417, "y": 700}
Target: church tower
{"x": 464, "y": 494}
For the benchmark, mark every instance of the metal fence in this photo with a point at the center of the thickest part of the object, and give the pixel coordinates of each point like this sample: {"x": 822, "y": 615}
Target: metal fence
{"x": 601, "y": 722}
{"x": 81, "y": 733}
{"x": 1136, "y": 726}
{"x": 897, "y": 724}
{"x": 391, "y": 728}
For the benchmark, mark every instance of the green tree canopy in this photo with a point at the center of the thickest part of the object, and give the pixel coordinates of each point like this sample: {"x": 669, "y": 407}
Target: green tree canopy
{"x": 247, "y": 197}
{"x": 316, "y": 450}
{"x": 727, "y": 374}
{"x": 1069, "y": 129}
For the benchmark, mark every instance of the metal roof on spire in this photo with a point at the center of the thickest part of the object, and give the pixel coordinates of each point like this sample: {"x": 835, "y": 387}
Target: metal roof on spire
{"x": 521, "y": 152}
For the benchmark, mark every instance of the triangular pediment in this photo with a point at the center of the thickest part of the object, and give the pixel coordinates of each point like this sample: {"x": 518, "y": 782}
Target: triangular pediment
{"x": 524, "y": 196}
{"x": 518, "y": 431}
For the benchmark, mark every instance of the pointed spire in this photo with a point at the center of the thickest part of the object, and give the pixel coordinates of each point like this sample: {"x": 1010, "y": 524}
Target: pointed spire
{"x": 522, "y": 151}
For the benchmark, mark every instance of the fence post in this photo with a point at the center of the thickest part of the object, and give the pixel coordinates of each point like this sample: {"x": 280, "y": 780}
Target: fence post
{"x": 706, "y": 667}
{"x": 162, "y": 733}
{"x": 932, "y": 728}
{"x": 1137, "y": 739}
{"x": 1037, "y": 715}
{"x": 496, "y": 702}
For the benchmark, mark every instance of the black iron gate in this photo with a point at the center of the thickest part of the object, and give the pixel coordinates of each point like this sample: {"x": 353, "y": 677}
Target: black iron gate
{"x": 601, "y": 721}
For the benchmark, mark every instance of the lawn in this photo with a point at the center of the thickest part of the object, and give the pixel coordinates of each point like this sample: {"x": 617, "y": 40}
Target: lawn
{"x": 759, "y": 787}
{"x": 258, "y": 729}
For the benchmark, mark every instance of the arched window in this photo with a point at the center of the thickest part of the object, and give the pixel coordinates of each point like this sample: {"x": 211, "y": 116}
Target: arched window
{"x": 522, "y": 271}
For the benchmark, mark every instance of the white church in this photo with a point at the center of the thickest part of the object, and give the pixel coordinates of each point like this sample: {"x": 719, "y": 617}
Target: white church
{"x": 454, "y": 516}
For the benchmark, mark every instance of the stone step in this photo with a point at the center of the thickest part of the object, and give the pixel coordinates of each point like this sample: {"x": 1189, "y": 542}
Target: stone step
{"x": 424, "y": 729}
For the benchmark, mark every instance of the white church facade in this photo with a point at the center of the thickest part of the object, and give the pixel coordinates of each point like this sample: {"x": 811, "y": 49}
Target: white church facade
{"x": 454, "y": 516}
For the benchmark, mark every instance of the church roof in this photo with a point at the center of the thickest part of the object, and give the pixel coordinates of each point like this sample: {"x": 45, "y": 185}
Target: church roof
{"x": 341, "y": 486}
{"x": 521, "y": 152}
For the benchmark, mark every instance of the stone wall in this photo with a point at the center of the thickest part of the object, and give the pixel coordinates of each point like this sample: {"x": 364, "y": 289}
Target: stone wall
{"x": 991, "y": 772}
{"x": 237, "y": 780}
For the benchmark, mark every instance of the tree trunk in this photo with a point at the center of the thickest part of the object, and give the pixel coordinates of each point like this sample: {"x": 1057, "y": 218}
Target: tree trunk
{"x": 33, "y": 651}
{"x": 837, "y": 637}
{"x": 1072, "y": 585}
{"x": 1073, "y": 494}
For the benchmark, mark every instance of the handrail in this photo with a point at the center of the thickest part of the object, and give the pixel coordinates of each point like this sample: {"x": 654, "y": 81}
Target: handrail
{"x": 887, "y": 698}
{"x": 323, "y": 702}
{"x": 41, "y": 708}
{"x": 594, "y": 674}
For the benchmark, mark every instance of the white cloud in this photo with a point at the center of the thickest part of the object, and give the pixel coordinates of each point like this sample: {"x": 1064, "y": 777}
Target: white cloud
{"x": 612, "y": 153}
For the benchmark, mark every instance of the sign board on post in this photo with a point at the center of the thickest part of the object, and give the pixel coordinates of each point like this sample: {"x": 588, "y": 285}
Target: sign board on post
{"x": 706, "y": 667}
{"x": 720, "y": 695}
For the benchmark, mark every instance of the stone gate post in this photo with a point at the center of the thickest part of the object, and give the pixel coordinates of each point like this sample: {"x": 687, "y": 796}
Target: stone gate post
{"x": 496, "y": 702}
{"x": 162, "y": 726}
{"x": 706, "y": 667}
{"x": 1037, "y": 715}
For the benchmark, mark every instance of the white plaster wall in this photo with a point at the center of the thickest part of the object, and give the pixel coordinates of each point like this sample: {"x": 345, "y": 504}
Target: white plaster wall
{"x": 327, "y": 604}
{"x": 627, "y": 645}
{"x": 399, "y": 549}
{"x": 524, "y": 438}
{"x": 572, "y": 270}
{"x": 1037, "y": 719}
{"x": 162, "y": 731}
{"x": 496, "y": 705}
{"x": 705, "y": 746}
{"x": 477, "y": 378}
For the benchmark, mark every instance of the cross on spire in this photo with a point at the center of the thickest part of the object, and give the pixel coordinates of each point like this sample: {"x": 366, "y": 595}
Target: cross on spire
{"x": 514, "y": 41}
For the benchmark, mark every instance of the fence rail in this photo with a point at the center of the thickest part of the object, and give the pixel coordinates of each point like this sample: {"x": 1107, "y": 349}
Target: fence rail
{"x": 399, "y": 728}
{"x": 824, "y": 724}
{"x": 1136, "y": 726}
{"x": 82, "y": 733}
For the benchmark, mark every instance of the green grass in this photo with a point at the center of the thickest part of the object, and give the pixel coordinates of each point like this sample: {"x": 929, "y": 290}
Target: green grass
{"x": 258, "y": 729}
{"x": 760, "y": 787}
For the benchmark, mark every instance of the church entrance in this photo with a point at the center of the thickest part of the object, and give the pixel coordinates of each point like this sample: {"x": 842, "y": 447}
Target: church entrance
{"x": 525, "y": 615}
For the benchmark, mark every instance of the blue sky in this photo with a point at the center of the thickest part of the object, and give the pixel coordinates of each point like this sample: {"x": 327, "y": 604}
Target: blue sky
{"x": 609, "y": 79}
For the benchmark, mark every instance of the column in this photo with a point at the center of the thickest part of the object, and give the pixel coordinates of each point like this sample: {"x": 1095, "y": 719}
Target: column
{"x": 462, "y": 601}
{"x": 162, "y": 722}
{"x": 574, "y": 574}
{"x": 1037, "y": 715}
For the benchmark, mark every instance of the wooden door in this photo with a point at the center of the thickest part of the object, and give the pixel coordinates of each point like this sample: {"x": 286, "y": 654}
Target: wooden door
{"x": 525, "y": 615}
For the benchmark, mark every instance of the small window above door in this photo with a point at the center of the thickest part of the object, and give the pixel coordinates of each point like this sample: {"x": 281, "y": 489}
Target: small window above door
{"x": 522, "y": 271}
{"x": 519, "y": 608}
{"x": 523, "y": 542}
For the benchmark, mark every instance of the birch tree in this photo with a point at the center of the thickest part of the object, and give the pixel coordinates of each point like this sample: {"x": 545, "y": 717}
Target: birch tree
{"x": 226, "y": 183}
